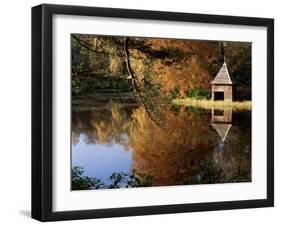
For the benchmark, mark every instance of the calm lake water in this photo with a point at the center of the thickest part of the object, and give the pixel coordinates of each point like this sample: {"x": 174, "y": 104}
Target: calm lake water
{"x": 115, "y": 142}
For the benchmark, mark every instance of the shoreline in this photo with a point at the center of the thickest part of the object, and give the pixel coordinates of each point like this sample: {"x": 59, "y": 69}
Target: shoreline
{"x": 209, "y": 104}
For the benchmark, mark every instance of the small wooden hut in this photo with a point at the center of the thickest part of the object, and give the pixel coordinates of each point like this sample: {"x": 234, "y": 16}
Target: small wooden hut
{"x": 223, "y": 88}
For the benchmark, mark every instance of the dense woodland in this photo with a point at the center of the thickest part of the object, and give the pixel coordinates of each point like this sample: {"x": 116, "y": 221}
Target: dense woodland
{"x": 157, "y": 67}
{"x": 123, "y": 89}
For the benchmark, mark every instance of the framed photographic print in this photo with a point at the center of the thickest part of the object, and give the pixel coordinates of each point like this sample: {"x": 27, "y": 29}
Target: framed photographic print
{"x": 147, "y": 112}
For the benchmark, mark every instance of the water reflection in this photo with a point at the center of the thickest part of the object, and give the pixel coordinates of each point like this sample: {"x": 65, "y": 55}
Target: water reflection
{"x": 221, "y": 122}
{"x": 233, "y": 162}
{"x": 118, "y": 144}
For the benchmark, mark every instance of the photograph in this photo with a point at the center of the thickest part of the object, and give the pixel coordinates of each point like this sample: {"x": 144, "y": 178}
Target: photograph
{"x": 144, "y": 112}
{"x": 156, "y": 111}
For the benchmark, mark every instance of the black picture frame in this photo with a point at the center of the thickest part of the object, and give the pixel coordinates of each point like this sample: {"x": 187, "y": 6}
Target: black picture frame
{"x": 42, "y": 111}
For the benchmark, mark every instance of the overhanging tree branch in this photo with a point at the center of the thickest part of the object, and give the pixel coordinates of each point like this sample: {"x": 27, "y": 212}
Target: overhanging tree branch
{"x": 86, "y": 46}
{"x": 134, "y": 82}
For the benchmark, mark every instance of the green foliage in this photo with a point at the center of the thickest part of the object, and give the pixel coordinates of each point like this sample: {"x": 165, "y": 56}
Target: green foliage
{"x": 81, "y": 182}
{"x": 79, "y": 87}
{"x": 175, "y": 92}
{"x": 195, "y": 110}
{"x": 80, "y": 57}
{"x": 175, "y": 108}
{"x": 93, "y": 83}
{"x": 199, "y": 93}
{"x": 240, "y": 65}
{"x": 128, "y": 180}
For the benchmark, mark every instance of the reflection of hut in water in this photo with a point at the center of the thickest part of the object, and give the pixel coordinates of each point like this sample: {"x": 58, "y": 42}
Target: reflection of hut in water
{"x": 221, "y": 122}
{"x": 223, "y": 88}
{"x": 229, "y": 158}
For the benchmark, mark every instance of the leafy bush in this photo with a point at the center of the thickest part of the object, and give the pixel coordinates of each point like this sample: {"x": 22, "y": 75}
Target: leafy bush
{"x": 81, "y": 182}
{"x": 175, "y": 92}
{"x": 117, "y": 180}
{"x": 175, "y": 108}
{"x": 199, "y": 93}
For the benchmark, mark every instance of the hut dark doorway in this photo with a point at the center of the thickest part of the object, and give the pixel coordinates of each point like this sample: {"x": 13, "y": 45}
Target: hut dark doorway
{"x": 218, "y": 95}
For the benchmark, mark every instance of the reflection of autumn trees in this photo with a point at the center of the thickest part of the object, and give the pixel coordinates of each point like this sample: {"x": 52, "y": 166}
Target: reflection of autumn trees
{"x": 104, "y": 125}
{"x": 175, "y": 153}
{"x": 170, "y": 154}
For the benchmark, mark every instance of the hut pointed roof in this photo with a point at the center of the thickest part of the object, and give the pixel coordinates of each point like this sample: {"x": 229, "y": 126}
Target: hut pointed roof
{"x": 223, "y": 76}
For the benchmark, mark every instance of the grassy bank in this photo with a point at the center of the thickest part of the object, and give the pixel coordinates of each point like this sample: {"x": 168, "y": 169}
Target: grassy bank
{"x": 209, "y": 104}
